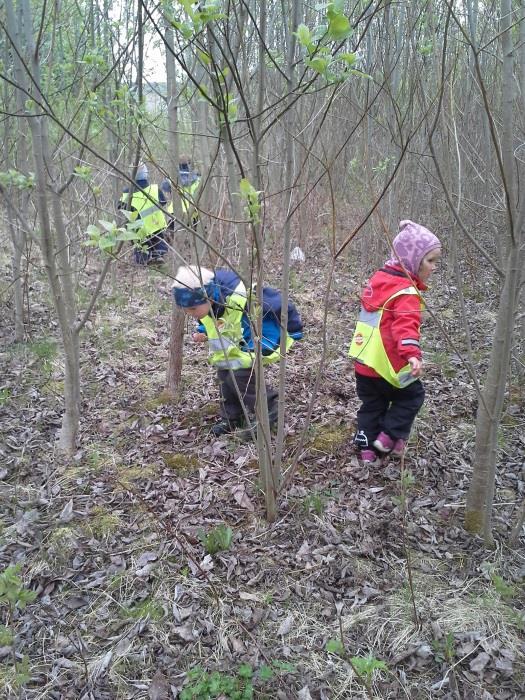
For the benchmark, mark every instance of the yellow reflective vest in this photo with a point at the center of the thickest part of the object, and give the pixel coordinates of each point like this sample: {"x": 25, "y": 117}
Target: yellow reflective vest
{"x": 152, "y": 218}
{"x": 187, "y": 195}
{"x": 225, "y": 335}
{"x": 367, "y": 344}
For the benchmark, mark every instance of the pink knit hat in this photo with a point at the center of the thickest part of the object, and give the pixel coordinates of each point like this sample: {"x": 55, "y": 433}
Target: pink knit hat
{"x": 411, "y": 245}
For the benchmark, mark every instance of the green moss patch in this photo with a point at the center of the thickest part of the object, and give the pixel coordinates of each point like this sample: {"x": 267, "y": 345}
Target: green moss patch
{"x": 329, "y": 439}
{"x": 103, "y": 523}
{"x": 181, "y": 463}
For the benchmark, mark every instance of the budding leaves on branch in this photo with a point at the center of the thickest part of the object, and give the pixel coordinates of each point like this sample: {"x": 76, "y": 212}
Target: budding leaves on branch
{"x": 251, "y": 197}
{"x": 108, "y": 235}
{"x": 194, "y": 17}
{"x": 321, "y": 54}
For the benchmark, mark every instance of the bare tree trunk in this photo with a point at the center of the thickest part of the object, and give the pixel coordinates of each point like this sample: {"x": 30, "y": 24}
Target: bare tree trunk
{"x": 225, "y": 137}
{"x": 177, "y": 315}
{"x": 480, "y": 497}
{"x": 264, "y": 450}
{"x": 16, "y": 230}
{"x": 289, "y": 177}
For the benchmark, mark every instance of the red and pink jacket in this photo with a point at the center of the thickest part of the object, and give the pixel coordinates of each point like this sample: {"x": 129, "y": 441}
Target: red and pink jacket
{"x": 401, "y": 320}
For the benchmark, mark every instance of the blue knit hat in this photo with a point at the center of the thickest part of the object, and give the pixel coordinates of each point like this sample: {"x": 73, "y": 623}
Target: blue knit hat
{"x": 186, "y": 297}
{"x": 142, "y": 172}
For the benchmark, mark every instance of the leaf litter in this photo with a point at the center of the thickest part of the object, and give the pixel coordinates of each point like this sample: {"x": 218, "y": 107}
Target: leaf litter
{"x": 128, "y": 601}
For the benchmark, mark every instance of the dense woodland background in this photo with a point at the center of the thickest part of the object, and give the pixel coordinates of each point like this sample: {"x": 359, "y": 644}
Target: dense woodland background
{"x": 140, "y": 557}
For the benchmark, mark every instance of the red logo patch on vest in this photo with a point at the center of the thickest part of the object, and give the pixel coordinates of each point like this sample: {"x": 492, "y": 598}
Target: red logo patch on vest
{"x": 359, "y": 340}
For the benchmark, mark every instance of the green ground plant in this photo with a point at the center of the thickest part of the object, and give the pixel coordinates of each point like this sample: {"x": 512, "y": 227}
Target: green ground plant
{"x": 45, "y": 350}
{"x": 314, "y": 502}
{"x": 506, "y": 591}
{"x": 364, "y": 667}
{"x": 147, "y": 608}
{"x": 14, "y": 595}
{"x": 203, "y": 685}
{"x": 218, "y": 539}
{"x": 444, "y": 648}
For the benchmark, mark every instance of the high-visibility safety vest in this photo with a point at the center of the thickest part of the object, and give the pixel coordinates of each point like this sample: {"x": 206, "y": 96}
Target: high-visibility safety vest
{"x": 152, "y": 218}
{"x": 225, "y": 336}
{"x": 367, "y": 344}
{"x": 187, "y": 195}
{"x": 186, "y": 200}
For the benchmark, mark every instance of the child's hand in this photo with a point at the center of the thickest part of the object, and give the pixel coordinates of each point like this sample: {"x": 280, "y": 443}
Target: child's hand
{"x": 417, "y": 366}
{"x": 199, "y": 337}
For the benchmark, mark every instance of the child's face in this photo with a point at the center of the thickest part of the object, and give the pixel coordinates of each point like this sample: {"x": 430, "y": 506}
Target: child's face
{"x": 429, "y": 264}
{"x": 199, "y": 311}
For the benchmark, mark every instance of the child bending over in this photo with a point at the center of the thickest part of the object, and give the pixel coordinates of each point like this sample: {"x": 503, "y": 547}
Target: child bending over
{"x": 220, "y": 302}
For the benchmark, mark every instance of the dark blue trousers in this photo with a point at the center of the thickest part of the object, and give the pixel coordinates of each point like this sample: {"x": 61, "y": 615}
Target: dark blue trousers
{"x": 386, "y": 408}
{"x": 155, "y": 249}
{"x": 231, "y": 408}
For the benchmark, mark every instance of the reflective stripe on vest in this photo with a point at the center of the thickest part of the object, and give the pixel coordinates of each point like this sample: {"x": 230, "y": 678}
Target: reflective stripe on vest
{"x": 225, "y": 333}
{"x": 225, "y": 336}
{"x": 367, "y": 344}
{"x": 151, "y": 217}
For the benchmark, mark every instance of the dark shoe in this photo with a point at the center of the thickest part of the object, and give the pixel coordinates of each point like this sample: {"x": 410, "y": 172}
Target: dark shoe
{"x": 248, "y": 434}
{"x": 224, "y": 427}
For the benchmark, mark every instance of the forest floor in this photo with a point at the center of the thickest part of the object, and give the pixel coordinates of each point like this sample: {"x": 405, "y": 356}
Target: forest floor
{"x": 360, "y": 564}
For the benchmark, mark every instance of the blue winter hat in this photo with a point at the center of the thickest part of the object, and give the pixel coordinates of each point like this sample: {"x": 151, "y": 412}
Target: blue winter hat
{"x": 165, "y": 185}
{"x": 142, "y": 172}
{"x": 186, "y": 297}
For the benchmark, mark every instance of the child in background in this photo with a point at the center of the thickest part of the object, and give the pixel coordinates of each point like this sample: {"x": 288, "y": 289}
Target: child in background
{"x": 386, "y": 347}
{"x": 220, "y": 302}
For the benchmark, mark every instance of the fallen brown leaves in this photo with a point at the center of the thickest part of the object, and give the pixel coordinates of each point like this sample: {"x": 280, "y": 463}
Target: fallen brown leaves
{"x": 129, "y": 600}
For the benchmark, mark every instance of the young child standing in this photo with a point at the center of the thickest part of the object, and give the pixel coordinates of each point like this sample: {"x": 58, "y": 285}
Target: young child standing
{"x": 385, "y": 345}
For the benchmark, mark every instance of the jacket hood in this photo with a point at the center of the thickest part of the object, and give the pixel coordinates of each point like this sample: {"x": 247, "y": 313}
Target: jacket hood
{"x": 386, "y": 282}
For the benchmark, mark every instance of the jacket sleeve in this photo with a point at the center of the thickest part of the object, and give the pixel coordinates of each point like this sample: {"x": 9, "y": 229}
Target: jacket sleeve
{"x": 295, "y": 325}
{"x": 406, "y": 325}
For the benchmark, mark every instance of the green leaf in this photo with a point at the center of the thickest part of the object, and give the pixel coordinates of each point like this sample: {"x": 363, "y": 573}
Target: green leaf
{"x": 339, "y": 27}
{"x": 366, "y": 665}
{"x": 303, "y": 35}
{"x": 106, "y": 243}
{"x": 107, "y": 225}
{"x": 349, "y": 58}
{"x": 319, "y": 64}
{"x": 204, "y": 57}
{"x": 218, "y": 539}
{"x": 127, "y": 235}
{"x": 360, "y": 74}
{"x": 232, "y": 111}
{"x": 335, "y": 646}
{"x": 184, "y": 28}
{"x": 92, "y": 231}
{"x": 246, "y": 187}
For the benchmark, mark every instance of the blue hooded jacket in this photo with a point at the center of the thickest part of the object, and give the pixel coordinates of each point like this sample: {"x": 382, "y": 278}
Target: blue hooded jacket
{"x": 225, "y": 283}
